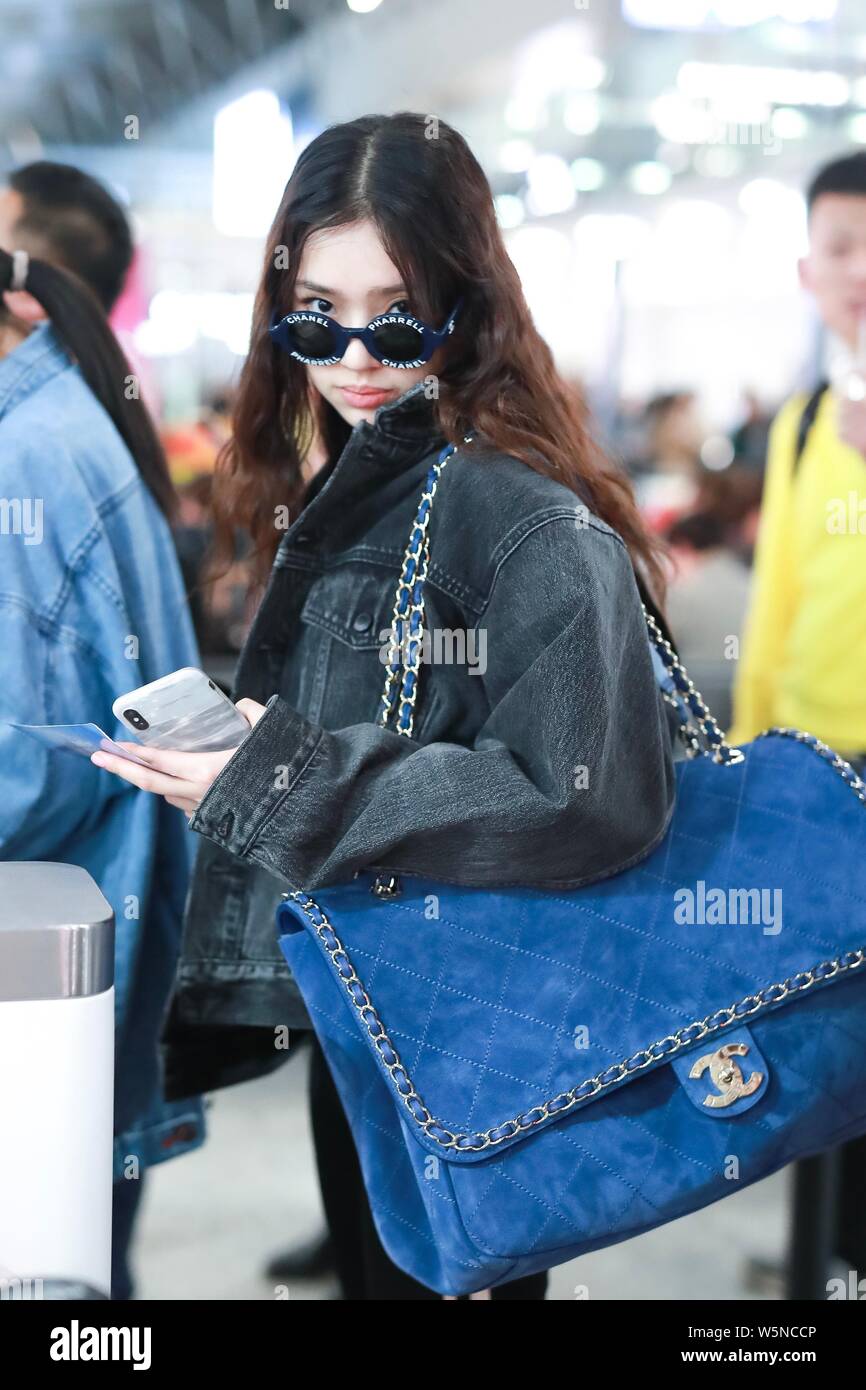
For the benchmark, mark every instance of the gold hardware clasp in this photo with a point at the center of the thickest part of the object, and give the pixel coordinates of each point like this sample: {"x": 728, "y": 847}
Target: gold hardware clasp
{"x": 726, "y": 1075}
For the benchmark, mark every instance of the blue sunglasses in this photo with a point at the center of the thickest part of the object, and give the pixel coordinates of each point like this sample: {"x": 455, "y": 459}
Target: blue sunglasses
{"x": 395, "y": 340}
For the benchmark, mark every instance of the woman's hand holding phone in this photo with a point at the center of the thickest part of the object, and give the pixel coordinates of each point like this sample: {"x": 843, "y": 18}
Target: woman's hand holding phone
{"x": 182, "y": 778}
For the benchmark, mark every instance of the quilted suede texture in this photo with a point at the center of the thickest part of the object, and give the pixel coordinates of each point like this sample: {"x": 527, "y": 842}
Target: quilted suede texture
{"x": 498, "y": 1001}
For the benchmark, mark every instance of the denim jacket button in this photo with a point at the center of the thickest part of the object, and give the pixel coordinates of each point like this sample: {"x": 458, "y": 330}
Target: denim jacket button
{"x": 362, "y": 621}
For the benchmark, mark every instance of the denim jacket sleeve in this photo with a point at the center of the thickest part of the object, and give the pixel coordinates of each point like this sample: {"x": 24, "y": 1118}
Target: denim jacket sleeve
{"x": 569, "y": 779}
{"x": 48, "y": 797}
{"x": 50, "y": 668}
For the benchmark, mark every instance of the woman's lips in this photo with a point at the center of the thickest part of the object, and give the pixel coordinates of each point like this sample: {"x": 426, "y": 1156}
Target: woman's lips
{"x": 364, "y": 399}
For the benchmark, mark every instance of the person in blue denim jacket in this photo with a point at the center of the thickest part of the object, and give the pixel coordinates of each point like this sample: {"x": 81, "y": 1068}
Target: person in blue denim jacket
{"x": 91, "y": 605}
{"x": 389, "y": 322}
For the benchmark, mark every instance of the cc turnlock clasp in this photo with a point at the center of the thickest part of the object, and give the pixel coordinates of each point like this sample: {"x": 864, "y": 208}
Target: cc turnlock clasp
{"x": 726, "y": 1075}
{"x": 716, "y": 1084}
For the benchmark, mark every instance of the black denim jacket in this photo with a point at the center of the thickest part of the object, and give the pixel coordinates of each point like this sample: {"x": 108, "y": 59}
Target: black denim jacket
{"x": 553, "y": 766}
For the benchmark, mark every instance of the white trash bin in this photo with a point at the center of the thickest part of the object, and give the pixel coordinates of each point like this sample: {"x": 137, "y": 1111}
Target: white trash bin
{"x": 56, "y": 1076}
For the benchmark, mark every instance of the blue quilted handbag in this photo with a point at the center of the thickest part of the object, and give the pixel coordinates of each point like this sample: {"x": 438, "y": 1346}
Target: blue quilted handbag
{"x": 531, "y": 1074}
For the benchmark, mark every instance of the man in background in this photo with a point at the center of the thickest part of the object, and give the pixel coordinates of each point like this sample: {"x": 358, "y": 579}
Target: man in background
{"x": 803, "y": 658}
{"x": 64, "y": 216}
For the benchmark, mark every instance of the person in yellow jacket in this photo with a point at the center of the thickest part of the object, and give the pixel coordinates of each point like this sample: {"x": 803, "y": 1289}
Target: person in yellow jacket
{"x": 803, "y": 654}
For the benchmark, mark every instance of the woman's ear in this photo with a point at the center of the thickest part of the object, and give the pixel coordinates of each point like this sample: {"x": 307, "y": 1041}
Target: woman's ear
{"x": 22, "y": 305}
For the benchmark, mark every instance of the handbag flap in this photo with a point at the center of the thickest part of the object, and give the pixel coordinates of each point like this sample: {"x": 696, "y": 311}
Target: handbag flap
{"x": 493, "y": 1012}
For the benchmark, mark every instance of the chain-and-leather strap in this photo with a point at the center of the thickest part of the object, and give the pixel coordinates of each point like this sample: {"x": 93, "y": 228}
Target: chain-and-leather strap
{"x": 697, "y": 727}
{"x": 407, "y": 622}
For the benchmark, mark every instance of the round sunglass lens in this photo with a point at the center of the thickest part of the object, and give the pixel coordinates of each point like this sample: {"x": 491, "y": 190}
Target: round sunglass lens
{"x": 311, "y": 339}
{"x": 399, "y": 342}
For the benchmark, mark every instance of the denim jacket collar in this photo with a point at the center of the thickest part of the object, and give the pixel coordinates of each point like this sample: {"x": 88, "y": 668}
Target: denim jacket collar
{"x": 404, "y": 424}
{"x": 403, "y": 432}
{"x": 34, "y": 361}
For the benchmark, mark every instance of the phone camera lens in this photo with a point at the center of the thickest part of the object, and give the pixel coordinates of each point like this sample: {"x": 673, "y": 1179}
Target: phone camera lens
{"x": 136, "y": 719}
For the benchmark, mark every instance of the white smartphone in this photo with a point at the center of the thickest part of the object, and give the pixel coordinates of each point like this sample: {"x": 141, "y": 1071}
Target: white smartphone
{"x": 185, "y": 710}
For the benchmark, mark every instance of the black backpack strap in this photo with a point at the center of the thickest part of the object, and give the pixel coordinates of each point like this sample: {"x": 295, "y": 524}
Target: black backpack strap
{"x": 807, "y": 420}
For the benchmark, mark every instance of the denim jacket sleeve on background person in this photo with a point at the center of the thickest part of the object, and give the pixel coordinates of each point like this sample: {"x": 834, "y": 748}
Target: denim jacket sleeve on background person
{"x": 92, "y": 605}
{"x": 551, "y": 766}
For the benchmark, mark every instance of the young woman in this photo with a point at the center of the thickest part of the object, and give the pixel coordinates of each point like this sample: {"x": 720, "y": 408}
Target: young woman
{"x": 91, "y": 605}
{"x": 547, "y": 763}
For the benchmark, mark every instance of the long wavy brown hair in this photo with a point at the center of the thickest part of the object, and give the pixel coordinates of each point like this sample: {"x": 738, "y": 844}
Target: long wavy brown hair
{"x": 417, "y": 180}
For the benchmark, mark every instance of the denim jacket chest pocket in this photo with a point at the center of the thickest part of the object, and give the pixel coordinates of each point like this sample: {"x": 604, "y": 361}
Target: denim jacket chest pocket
{"x": 345, "y": 626}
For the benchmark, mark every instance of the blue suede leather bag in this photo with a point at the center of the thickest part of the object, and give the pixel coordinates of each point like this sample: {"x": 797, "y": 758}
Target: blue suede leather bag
{"x": 532, "y": 1074}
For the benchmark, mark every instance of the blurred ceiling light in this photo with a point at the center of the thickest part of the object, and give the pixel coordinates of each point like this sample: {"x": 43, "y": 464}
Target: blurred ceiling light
{"x": 363, "y": 6}
{"x": 789, "y": 86}
{"x": 556, "y": 60}
{"x": 724, "y": 119}
{"x": 177, "y": 319}
{"x": 679, "y": 119}
{"x": 806, "y": 11}
{"x": 541, "y": 243}
{"x": 688, "y": 261}
{"x": 649, "y": 177}
{"x": 765, "y": 198}
{"x": 688, "y": 222}
{"x": 170, "y": 326}
{"x": 525, "y": 113}
{"x": 587, "y": 72}
{"x": 606, "y": 235}
{"x": 542, "y": 257}
{"x": 857, "y": 128}
{"x": 666, "y": 14}
{"x": 227, "y": 318}
{"x": 515, "y": 156}
{"x": 710, "y": 14}
{"x": 510, "y": 210}
{"x": 789, "y": 124}
{"x": 736, "y": 13}
{"x": 858, "y": 91}
{"x": 676, "y": 156}
{"x": 550, "y": 186}
{"x": 717, "y": 161}
{"x": 581, "y": 114}
{"x": 253, "y": 156}
{"x": 717, "y": 453}
{"x": 796, "y": 40}
{"x": 736, "y": 109}
{"x": 588, "y": 174}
